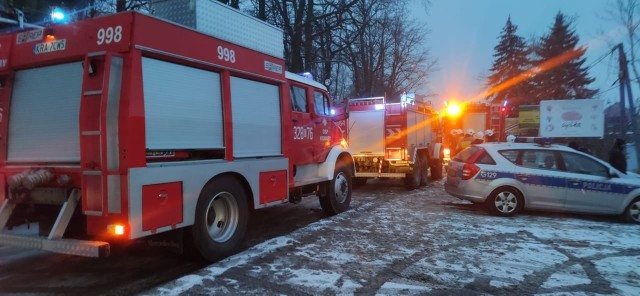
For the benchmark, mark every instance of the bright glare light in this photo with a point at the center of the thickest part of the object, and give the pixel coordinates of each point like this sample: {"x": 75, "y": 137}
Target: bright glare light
{"x": 453, "y": 110}
{"x": 57, "y": 15}
{"x": 379, "y": 106}
{"x": 119, "y": 230}
{"x": 116, "y": 229}
{"x": 333, "y": 112}
{"x": 343, "y": 143}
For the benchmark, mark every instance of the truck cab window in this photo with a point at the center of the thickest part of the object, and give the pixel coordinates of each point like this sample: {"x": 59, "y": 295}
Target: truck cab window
{"x": 321, "y": 103}
{"x": 298, "y": 99}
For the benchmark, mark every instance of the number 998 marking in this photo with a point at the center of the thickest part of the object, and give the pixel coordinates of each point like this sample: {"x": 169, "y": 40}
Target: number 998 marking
{"x": 109, "y": 35}
{"x": 227, "y": 55}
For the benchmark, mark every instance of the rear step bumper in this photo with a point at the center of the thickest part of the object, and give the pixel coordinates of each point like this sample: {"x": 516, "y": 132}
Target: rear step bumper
{"x": 84, "y": 248}
{"x": 54, "y": 242}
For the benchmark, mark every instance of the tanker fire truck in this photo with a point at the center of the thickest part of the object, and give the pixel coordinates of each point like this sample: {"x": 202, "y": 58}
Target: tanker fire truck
{"x": 395, "y": 140}
{"x": 477, "y": 116}
{"x": 123, "y": 127}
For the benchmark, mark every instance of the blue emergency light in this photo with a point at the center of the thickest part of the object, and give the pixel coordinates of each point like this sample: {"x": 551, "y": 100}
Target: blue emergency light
{"x": 58, "y": 15}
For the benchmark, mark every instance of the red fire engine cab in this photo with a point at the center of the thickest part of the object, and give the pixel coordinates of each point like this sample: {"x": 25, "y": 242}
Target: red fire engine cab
{"x": 126, "y": 126}
{"x": 395, "y": 140}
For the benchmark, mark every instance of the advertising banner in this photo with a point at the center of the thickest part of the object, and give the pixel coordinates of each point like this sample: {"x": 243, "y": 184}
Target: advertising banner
{"x": 572, "y": 118}
{"x": 529, "y": 116}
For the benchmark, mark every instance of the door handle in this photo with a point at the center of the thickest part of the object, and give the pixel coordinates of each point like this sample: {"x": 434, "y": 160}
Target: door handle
{"x": 294, "y": 120}
{"x": 574, "y": 182}
{"x": 523, "y": 177}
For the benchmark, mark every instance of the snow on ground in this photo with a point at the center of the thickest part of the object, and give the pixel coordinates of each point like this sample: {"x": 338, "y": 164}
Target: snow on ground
{"x": 413, "y": 246}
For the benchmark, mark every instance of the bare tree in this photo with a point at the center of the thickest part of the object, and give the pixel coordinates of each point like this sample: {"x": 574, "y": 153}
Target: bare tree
{"x": 104, "y": 7}
{"x": 387, "y": 54}
{"x": 627, "y": 14}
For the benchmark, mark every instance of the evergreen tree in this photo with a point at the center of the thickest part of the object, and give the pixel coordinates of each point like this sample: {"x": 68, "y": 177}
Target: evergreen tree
{"x": 561, "y": 73}
{"x": 506, "y": 81}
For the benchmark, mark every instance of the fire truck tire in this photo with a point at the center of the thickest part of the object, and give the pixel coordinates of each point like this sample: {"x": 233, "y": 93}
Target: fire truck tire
{"x": 337, "y": 196}
{"x": 424, "y": 172}
{"x": 412, "y": 179}
{"x": 437, "y": 170}
{"x": 221, "y": 219}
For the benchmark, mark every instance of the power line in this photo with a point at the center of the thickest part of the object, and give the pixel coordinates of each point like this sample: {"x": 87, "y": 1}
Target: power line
{"x": 600, "y": 59}
{"x": 607, "y": 90}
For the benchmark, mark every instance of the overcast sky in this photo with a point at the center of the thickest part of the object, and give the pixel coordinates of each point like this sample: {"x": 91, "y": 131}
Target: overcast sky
{"x": 464, "y": 33}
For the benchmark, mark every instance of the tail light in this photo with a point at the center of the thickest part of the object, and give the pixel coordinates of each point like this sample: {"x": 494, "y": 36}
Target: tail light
{"x": 116, "y": 229}
{"x": 469, "y": 170}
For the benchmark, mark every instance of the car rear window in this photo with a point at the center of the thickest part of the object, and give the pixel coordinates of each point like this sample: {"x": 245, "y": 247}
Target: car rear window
{"x": 510, "y": 155}
{"x": 465, "y": 154}
{"x": 485, "y": 158}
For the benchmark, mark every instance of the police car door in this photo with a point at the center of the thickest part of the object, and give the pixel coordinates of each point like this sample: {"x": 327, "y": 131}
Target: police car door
{"x": 589, "y": 188}
{"x": 543, "y": 184}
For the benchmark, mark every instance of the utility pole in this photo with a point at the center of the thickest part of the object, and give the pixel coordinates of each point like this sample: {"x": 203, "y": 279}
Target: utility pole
{"x": 625, "y": 84}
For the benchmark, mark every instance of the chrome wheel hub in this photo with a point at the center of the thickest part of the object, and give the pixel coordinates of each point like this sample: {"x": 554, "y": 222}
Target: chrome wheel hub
{"x": 341, "y": 188}
{"x": 222, "y": 217}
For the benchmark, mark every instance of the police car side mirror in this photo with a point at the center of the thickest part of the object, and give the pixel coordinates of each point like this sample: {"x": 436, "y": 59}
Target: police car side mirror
{"x": 613, "y": 174}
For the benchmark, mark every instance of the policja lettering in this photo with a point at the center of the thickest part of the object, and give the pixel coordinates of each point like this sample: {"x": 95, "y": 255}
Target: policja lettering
{"x": 596, "y": 186}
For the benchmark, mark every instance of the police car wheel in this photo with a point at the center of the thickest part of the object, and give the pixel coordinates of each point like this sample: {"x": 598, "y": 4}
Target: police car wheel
{"x": 505, "y": 201}
{"x": 632, "y": 214}
{"x": 220, "y": 219}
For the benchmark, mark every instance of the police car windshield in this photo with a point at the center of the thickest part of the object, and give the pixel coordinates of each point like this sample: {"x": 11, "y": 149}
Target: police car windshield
{"x": 465, "y": 154}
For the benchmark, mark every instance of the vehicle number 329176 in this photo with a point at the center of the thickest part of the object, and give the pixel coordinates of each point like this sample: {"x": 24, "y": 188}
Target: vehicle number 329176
{"x": 302, "y": 133}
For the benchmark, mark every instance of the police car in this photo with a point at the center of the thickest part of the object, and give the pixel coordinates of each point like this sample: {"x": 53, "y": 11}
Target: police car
{"x": 510, "y": 177}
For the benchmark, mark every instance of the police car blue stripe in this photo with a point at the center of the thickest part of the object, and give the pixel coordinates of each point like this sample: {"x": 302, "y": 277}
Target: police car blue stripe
{"x": 561, "y": 182}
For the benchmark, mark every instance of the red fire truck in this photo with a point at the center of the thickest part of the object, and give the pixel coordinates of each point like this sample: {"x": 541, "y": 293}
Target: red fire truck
{"x": 395, "y": 140}
{"x": 127, "y": 126}
{"x": 477, "y": 116}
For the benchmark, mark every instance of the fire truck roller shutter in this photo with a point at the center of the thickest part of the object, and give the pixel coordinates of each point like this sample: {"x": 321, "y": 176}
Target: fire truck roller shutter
{"x": 421, "y": 129}
{"x": 182, "y": 106}
{"x": 257, "y": 123}
{"x": 35, "y": 133}
{"x": 366, "y": 132}
{"x": 412, "y": 130}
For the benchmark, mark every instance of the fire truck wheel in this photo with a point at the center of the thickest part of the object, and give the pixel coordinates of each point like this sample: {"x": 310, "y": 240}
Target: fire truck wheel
{"x": 424, "y": 172}
{"x": 436, "y": 170}
{"x": 412, "y": 180}
{"x": 221, "y": 219}
{"x": 338, "y": 194}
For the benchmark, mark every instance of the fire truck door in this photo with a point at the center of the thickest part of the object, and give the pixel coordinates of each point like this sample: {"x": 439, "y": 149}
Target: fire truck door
{"x": 301, "y": 151}
{"x": 322, "y": 126}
